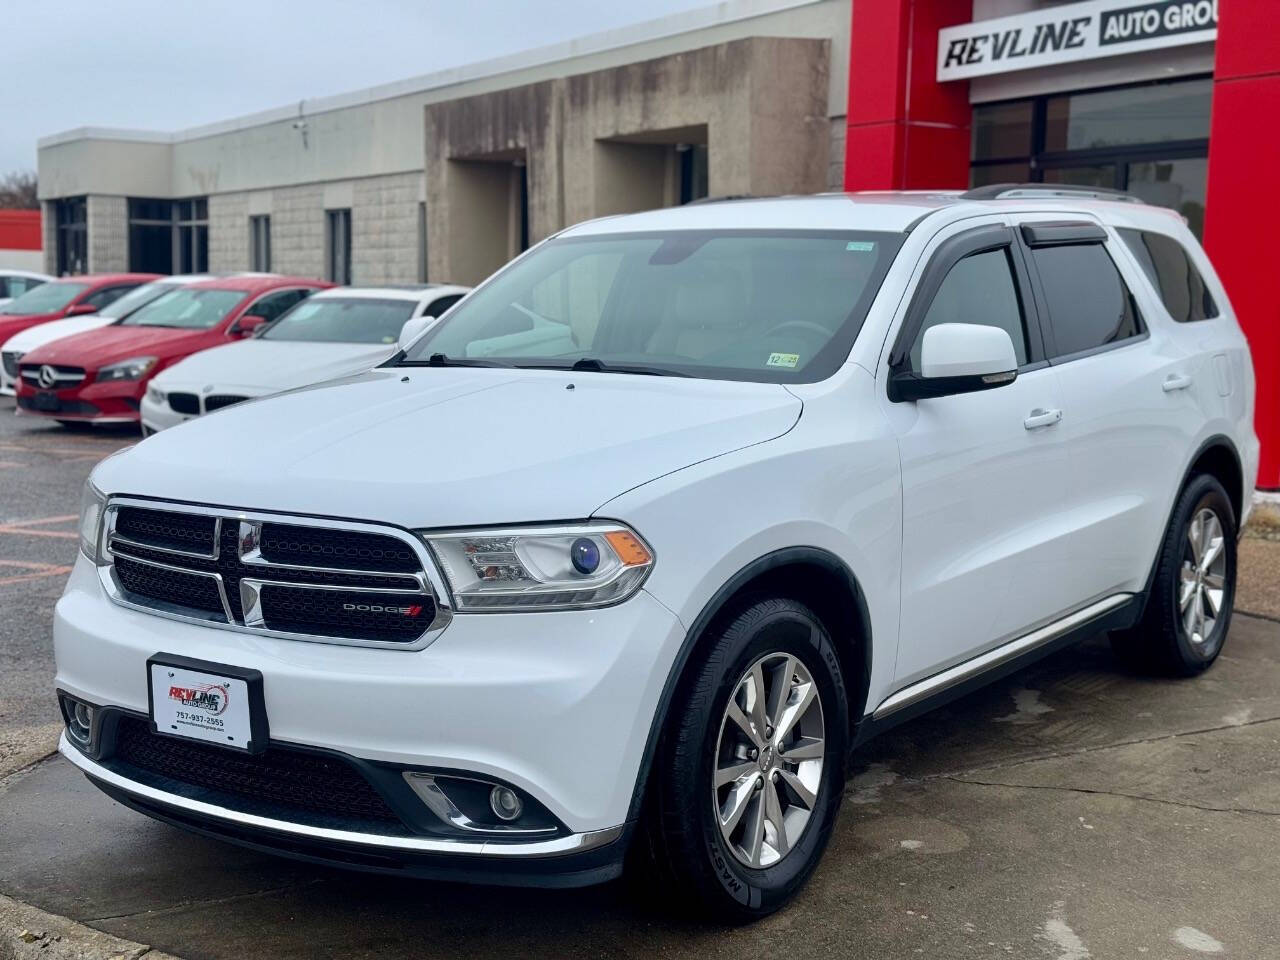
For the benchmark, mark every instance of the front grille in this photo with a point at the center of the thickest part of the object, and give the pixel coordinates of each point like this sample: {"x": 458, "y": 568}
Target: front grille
{"x": 281, "y": 777}
{"x": 10, "y": 360}
{"x": 56, "y": 407}
{"x": 59, "y": 377}
{"x": 167, "y": 585}
{"x": 184, "y": 403}
{"x": 216, "y": 401}
{"x": 318, "y": 547}
{"x": 305, "y": 580}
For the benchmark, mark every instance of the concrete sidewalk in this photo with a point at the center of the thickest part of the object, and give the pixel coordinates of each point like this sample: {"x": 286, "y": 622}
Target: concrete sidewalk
{"x": 1070, "y": 812}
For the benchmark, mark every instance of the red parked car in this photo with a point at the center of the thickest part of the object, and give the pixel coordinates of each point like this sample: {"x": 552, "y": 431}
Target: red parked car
{"x": 100, "y": 376}
{"x": 68, "y": 297}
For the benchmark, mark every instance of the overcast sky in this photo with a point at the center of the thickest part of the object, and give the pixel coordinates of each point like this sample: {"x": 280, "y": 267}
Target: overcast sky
{"x": 169, "y": 64}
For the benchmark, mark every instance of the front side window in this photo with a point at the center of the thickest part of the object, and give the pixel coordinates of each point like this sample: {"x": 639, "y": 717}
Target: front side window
{"x": 438, "y": 306}
{"x": 135, "y": 298}
{"x": 780, "y": 307}
{"x": 107, "y": 296}
{"x": 334, "y": 320}
{"x": 47, "y": 298}
{"x": 1089, "y": 304}
{"x": 186, "y": 309}
{"x": 978, "y": 289}
{"x": 274, "y": 304}
{"x": 1168, "y": 265}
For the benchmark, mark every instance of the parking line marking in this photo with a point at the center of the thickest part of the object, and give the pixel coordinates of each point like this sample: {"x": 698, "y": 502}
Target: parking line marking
{"x": 61, "y": 534}
{"x": 27, "y": 565}
{"x": 66, "y": 518}
{"x": 39, "y": 575}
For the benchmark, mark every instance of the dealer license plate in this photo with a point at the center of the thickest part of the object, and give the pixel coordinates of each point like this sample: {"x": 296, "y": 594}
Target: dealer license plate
{"x": 226, "y": 708}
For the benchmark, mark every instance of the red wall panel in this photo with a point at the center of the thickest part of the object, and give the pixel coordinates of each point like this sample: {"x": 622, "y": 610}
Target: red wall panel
{"x": 1242, "y": 202}
{"x": 20, "y": 230}
{"x": 905, "y": 130}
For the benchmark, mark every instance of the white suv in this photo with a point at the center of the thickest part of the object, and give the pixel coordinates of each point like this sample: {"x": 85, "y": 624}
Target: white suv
{"x": 659, "y": 524}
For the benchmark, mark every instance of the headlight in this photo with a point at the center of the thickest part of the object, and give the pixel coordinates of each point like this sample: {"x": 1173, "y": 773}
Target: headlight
{"x": 135, "y": 368}
{"x": 542, "y": 568}
{"x": 155, "y": 394}
{"x": 91, "y": 504}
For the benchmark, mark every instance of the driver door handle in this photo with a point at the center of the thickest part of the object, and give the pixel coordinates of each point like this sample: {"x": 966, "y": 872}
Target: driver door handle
{"x": 1175, "y": 381}
{"x": 1041, "y": 417}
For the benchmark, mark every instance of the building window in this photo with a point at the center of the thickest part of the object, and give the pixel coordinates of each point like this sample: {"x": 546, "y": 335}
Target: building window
{"x": 337, "y": 245}
{"x": 260, "y": 243}
{"x": 1151, "y": 140}
{"x": 72, "y": 221}
{"x": 169, "y": 236}
{"x": 422, "y": 243}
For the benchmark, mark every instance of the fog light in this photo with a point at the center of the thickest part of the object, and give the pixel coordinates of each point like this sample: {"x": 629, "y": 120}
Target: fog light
{"x": 80, "y": 723}
{"x": 505, "y": 804}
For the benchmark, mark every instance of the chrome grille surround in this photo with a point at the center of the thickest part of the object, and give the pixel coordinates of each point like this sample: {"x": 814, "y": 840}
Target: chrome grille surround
{"x": 425, "y": 584}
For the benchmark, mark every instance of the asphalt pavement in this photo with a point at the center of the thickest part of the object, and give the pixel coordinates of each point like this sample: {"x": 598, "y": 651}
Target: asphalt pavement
{"x": 1070, "y": 812}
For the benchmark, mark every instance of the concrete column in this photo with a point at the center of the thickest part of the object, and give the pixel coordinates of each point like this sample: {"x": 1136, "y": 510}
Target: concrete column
{"x": 108, "y": 239}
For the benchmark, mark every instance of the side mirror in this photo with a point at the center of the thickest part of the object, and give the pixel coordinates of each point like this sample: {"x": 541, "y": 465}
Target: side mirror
{"x": 413, "y": 329}
{"x": 81, "y": 309}
{"x": 958, "y": 358}
{"x": 247, "y": 324}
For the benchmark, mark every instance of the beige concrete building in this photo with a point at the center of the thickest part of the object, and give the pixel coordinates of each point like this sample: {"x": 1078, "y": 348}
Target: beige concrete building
{"x": 448, "y": 175}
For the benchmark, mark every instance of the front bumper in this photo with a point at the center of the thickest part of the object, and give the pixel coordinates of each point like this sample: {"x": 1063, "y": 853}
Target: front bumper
{"x": 573, "y": 860}
{"x": 559, "y": 705}
{"x": 160, "y": 416}
{"x": 115, "y": 402}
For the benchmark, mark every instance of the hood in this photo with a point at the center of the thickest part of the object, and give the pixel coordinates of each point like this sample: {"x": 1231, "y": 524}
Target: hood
{"x": 43, "y": 333}
{"x": 451, "y": 447}
{"x": 96, "y": 348}
{"x": 12, "y": 324}
{"x": 268, "y": 366}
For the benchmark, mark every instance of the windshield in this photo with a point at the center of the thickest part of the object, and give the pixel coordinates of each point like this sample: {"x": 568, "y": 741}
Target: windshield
{"x": 773, "y": 306}
{"x": 186, "y": 308}
{"x": 135, "y": 298}
{"x": 46, "y": 298}
{"x": 353, "y": 320}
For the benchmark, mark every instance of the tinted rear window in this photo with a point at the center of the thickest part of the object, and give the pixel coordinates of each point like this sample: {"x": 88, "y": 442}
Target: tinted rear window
{"x": 1089, "y": 304}
{"x": 1172, "y": 273}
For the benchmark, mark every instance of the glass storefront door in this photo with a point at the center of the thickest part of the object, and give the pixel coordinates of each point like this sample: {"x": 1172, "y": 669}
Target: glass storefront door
{"x": 1151, "y": 140}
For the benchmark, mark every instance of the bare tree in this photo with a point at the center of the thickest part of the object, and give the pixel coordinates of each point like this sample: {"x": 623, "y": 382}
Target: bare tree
{"x": 18, "y": 190}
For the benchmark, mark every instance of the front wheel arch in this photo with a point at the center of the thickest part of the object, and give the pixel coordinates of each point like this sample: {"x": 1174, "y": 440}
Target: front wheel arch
{"x": 810, "y": 575}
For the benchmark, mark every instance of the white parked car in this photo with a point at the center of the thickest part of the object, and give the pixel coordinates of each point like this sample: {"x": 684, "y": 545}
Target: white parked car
{"x": 14, "y": 283}
{"x": 660, "y": 523}
{"x": 11, "y": 350}
{"x": 332, "y": 334}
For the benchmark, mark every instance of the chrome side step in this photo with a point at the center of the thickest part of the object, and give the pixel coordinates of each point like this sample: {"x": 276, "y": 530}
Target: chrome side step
{"x": 961, "y": 672}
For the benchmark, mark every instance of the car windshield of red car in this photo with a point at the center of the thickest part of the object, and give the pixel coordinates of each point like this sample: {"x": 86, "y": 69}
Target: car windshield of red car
{"x": 186, "y": 309}
{"x": 46, "y": 298}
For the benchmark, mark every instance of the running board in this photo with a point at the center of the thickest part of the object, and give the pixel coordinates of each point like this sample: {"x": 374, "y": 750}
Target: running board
{"x": 962, "y": 672}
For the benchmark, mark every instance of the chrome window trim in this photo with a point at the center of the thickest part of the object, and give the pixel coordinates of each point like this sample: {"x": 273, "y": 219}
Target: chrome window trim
{"x": 431, "y": 581}
{"x": 519, "y": 849}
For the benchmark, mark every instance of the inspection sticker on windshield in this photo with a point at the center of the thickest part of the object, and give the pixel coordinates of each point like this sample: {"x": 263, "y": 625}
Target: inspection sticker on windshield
{"x": 860, "y": 246}
{"x": 783, "y": 360}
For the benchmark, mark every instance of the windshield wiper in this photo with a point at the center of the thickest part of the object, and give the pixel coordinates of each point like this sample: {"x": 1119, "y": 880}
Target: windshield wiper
{"x": 440, "y": 360}
{"x": 594, "y": 365}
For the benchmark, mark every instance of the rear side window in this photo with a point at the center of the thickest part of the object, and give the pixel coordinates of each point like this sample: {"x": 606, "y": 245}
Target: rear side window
{"x": 978, "y": 289}
{"x": 1089, "y": 304}
{"x": 1169, "y": 266}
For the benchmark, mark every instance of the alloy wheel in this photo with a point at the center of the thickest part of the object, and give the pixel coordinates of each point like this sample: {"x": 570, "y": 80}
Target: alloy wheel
{"x": 1202, "y": 577}
{"x": 769, "y": 758}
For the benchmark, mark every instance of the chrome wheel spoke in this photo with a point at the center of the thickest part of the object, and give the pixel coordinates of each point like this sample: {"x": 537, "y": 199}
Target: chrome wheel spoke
{"x": 739, "y": 799}
{"x": 773, "y": 813}
{"x": 781, "y": 691}
{"x": 756, "y": 701}
{"x": 1195, "y": 535}
{"x": 736, "y": 772}
{"x": 803, "y": 793}
{"x": 753, "y": 842}
{"x": 1202, "y": 579}
{"x": 1187, "y": 589}
{"x": 806, "y": 748}
{"x": 806, "y": 692}
{"x": 734, "y": 713}
{"x": 1214, "y": 598}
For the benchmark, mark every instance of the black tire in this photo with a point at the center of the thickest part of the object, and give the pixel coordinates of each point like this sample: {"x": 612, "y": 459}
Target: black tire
{"x": 1160, "y": 642}
{"x": 689, "y": 859}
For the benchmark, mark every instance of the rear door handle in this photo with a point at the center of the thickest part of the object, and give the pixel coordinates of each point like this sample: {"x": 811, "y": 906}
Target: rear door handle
{"x": 1041, "y": 417}
{"x": 1175, "y": 381}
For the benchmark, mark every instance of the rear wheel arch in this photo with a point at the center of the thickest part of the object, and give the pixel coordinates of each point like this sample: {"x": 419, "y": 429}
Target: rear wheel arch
{"x": 810, "y": 575}
{"x": 1219, "y": 458}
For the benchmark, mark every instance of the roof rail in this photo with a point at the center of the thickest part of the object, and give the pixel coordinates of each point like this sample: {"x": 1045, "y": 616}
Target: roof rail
{"x": 1045, "y": 191}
